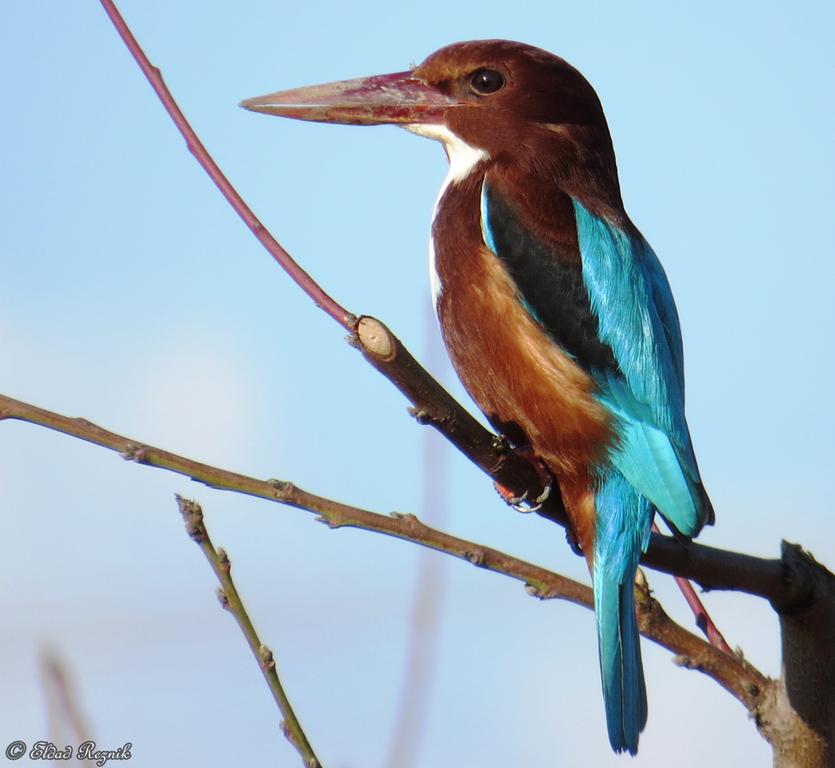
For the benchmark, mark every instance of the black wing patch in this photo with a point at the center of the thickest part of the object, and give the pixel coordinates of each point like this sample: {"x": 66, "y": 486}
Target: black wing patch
{"x": 551, "y": 288}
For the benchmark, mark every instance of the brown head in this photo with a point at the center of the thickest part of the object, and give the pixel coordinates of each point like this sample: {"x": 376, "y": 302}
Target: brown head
{"x": 514, "y": 103}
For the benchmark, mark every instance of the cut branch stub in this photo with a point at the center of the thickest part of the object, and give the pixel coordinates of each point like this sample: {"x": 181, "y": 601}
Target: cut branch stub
{"x": 375, "y": 338}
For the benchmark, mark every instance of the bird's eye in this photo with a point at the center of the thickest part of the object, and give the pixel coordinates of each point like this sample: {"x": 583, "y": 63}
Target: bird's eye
{"x": 486, "y": 81}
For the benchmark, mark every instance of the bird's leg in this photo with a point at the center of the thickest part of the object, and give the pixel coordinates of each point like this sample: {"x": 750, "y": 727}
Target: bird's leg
{"x": 703, "y": 620}
{"x": 546, "y": 479}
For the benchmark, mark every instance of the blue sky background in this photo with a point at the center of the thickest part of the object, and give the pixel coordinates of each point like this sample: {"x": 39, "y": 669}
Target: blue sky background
{"x": 131, "y": 294}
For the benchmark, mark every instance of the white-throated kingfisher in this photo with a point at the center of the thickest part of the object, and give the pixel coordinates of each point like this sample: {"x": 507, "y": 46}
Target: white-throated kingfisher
{"x": 555, "y": 311}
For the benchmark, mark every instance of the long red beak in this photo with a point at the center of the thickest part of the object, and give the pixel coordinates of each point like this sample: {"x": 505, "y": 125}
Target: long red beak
{"x": 395, "y": 98}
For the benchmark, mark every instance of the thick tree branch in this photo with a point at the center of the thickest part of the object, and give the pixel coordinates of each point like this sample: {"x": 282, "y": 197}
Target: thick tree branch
{"x": 805, "y": 699}
{"x": 231, "y": 601}
{"x": 730, "y": 671}
{"x": 432, "y": 404}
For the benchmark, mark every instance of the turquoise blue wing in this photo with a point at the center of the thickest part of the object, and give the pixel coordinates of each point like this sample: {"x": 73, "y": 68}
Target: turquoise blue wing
{"x": 637, "y": 320}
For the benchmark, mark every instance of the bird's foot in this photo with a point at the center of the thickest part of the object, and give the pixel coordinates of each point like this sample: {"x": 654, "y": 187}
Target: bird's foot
{"x": 523, "y": 503}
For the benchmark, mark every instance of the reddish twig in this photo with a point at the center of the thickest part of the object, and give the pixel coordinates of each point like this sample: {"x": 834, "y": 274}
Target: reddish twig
{"x": 703, "y": 620}
{"x": 195, "y": 146}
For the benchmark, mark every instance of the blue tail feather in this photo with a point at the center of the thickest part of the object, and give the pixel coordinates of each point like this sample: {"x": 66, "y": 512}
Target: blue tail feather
{"x": 624, "y": 691}
{"x": 623, "y": 532}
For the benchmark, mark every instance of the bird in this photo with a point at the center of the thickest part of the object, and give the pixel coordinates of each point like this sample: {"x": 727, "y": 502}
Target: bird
{"x": 555, "y": 311}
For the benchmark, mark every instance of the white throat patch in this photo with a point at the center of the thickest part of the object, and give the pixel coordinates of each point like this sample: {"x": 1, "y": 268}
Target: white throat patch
{"x": 463, "y": 158}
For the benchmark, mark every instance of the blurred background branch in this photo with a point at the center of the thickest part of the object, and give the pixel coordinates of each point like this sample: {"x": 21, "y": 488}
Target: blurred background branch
{"x": 423, "y": 640}
{"x": 66, "y": 720}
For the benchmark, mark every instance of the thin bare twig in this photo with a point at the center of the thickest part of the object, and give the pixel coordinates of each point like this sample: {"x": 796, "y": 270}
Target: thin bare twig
{"x": 230, "y": 599}
{"x": 195, "y": 146}
{"x": 703, "y": 620}
{"x": 718, "y": 567}
{"x": 742, "y": 680}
